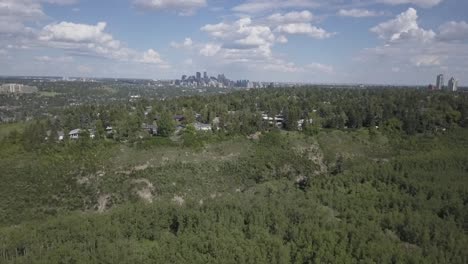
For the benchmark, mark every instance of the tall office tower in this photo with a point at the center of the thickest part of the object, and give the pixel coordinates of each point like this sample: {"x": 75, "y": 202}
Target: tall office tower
{"x": 453, "y": 84}
{"x": 205, "y": 75}
{"x": 184, "y": 77}
{"x": 440, "y": 82}
{"x": 198, "y": 76}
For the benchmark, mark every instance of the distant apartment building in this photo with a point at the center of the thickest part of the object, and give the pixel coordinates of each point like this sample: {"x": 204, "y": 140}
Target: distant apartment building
{"x": 17, "y": 88}
{"x": 440, "y": 82}
{"x": 453, "y": 84}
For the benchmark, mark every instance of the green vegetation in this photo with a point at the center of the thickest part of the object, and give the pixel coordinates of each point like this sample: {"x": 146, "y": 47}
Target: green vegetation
{"x": 7, "y": 129}
{"x": 48, "y": 94}
{"x": 392, "y": 187}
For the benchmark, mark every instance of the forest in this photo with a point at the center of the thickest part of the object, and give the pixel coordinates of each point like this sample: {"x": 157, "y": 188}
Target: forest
{"x": 346, "y": 176}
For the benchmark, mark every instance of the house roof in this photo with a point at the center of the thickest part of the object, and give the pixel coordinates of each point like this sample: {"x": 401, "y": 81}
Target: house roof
{"x": 75, "y": 131}
{"x": 201, "y": 125}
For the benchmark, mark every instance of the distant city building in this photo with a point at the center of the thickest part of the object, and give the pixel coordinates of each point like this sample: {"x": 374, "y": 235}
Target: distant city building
{"x": 17, "y": 88}
{"x": 220, "y": 82}
{"x": 453, "y": 84}
{"x": 440, "y": 82}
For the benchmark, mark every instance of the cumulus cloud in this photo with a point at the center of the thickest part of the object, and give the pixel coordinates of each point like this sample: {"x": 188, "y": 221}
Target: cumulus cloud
{"x": 291, "y": 17}
{"x": 415, "y": 51}
{"x": 151, "y": 56}
{"x": 248, "y": 43}
{"x": 453, "y": 31}
{"x": 183, "y": 7}
{"x": 404, "y": 26}
{"x": 358, "y": 13}
{"x": 187, "y": 44}
{"x": 210, "y": 49}
{"x": 72, "y": 32}
{"x": 92, "y": 40}
{"x": 242, "y": 34}
{"x": 304, "y": 29}
{"x": 257, "y": 6}
{"x": 14, "y": 14}
{"x": 421, "y": 3}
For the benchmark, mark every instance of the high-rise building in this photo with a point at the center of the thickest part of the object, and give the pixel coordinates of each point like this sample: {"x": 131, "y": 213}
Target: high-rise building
{"x": 184, "y": 77}
{"x": 198, "y": 76}
{"x": 453, "y": 84}
{"x": 205, "y": 75}
{"x": 440, "y": 82}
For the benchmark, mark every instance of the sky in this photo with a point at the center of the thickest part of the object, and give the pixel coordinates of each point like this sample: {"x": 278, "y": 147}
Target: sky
{"x": 315, "y": 41}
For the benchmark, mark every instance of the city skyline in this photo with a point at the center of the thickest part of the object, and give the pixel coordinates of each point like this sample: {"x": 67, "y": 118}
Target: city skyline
{"x": 371, "y": 41}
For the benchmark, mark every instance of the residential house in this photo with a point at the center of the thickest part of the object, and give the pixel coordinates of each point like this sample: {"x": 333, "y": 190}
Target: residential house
{"x": 202, "y": 127}
{"x": 179, "y": 118}
{"x": 151, "y": 129}
{"x": 109, "y": 130}
{"x": 75, "y": 133}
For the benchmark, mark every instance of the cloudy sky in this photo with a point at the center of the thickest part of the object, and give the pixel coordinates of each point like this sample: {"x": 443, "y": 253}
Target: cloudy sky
{"x": 320, "y": 41}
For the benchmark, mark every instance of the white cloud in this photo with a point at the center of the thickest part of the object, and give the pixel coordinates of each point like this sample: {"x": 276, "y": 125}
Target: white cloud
{"x": 61, "y": 2}
{"x": 242, "y": 34}
{"x": 426, "y": 60}
{"x": 453, "y": 31}
{"x": 404, "y": 26}
{"x": 219, "y": 30}
{"x": 282, "y": 66}
{"x": 151, "y": 56}
{"x": 417, "y": 52}
{"x": 187, "y": 44}
{"x": 305, "y": 29}
{"x": 421, "y": 3}
{"x": 291, "y": 17}
{"x": 210, "y": 50}
{"x": 183, "y": 7}
{"x": 357, "y": 13}
{"x": 320, "y": 68}
{"x": 282, "y": 39}
{"x": 14, "y": 14}
{"x": 257, "y": 6}
{"x": 83, "y": 39}
{"x": 63, "y": 59}
{"x": 247, "y": 44}
{"x": 71, "y": 32}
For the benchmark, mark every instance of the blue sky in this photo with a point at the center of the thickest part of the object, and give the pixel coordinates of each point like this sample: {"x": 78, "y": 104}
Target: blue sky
{"x": 319, "y": 41}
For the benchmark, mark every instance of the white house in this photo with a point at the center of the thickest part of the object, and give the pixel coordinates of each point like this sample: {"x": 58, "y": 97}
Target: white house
{"x": 202, "y": 127}
{"x": 75, "y": 133}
